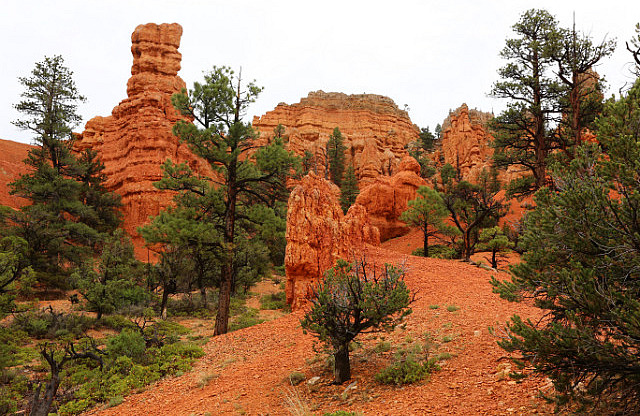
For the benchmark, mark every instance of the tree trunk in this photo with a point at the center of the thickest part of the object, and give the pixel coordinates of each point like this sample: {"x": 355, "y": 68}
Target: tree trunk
{"x": 203, "y": 296}
{"x": 342, "y": 367}
{"x": 425, "y": 244}
{"x": 466, "y": 245}
{"x": 40, "y": 407}
{"x": 224, "y": 301}
{"x": 163, "y": 303}
{"x": 226, "y": 285}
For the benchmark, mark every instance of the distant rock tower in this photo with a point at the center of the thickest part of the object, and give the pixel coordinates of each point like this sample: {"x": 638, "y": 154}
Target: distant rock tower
{"x": 136, "y": 139}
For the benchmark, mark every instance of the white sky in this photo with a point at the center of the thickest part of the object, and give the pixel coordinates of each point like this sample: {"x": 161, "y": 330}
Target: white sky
{"x": 430, "y": 55}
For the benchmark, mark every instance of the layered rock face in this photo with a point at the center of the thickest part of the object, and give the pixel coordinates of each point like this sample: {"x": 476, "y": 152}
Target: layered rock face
{"x": 318, "y": 234}
{"x": 465, "y": 142}
{"x": 375, "y": 130}
{"x": 136, "y": 139}
{"x": 12, "y": 155}
{"x": 385, "y": 199}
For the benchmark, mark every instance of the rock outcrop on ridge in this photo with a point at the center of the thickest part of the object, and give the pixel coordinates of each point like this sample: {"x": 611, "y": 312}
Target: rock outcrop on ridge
{"x": 318, "y": 234}
{"x": 386, "y": 198}
{"x": 465, "y": 142}
{"x": 375, "y": 130}
{"x": 136, "y": 139}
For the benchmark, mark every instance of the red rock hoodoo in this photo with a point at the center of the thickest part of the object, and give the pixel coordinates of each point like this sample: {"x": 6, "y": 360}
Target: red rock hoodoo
{"x": 375, "y": 130}
{"x": 386, "y": 198}
{"x": 465, "y": 142}
{"x": 318, "y": 234}
{"x": 136, "y": 139}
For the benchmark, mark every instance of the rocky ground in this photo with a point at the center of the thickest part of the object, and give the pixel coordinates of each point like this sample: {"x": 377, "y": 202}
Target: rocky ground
{"x": 248, "y": 371}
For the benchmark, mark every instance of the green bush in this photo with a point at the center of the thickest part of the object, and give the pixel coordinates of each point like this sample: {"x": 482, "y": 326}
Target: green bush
{"x": 51, "y": 324}
{"x": 274, "y": 301}
{"x": 192, "y": 307}
{"x": 405, "y": 372}
{"x": 128, "y": 343}
{"x": 341, "y": 413}
{"x": 245, "y": 320}
{"x": 382, "y": 346}
{"x": 121, "y": 374}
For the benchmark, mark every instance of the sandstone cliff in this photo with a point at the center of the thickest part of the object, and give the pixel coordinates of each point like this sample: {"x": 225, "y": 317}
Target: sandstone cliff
{"x": 12, "y": 155}
{"x": 318, "y": 234}
{"x": 386, "y": 198}
{"x": 136, "y": 139}
{"x": 376, "y": 131}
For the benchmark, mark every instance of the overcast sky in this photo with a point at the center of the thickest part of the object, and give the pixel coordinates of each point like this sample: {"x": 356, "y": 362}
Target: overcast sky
{"x": 429, "y": 55}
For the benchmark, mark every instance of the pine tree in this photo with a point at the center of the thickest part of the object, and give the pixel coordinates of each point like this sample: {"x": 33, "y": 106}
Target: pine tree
{"x": 581, "y": 268}
{"x": 309, "y": 162}
{"x": 576, "y": 56}
{"x": 246, "y": 176}
{"x": 420, "y": 151}
{"x": 335, "y": 157}
{"x": 427, "y": 212}
{"x": 112, "y": 282}
{"x": 471, "y": 206}
{"x": 633, "y": 46}
{"x": 522, "y": 133}
{"x": 70, "y": 213}
{"x": 349, "y": 190}
{"x": 554, "y": 96}
{"x": 496, "y": 242}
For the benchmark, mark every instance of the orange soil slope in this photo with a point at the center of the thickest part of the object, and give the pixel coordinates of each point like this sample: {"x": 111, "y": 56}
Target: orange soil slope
{"x": 247, "y": 369}
{"x": 11, "y": 167}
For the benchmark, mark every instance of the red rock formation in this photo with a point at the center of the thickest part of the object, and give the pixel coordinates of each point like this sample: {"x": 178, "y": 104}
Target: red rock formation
{"x": 376, "y": 131}
{"x": 386, "y": 198}
{"x": 318, "y": 234}
{"x": 136, "y": 139}
{"x": 12, "y": 155}
{"x": 465, "y": 142}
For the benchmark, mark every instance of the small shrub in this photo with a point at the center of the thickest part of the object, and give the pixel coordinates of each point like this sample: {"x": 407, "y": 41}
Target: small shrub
{"x": 296, "y": 404}
{"x": 405, "y": 372}
{"x": 245, "y": 320}
{"x": 296, "y": 378}
{"x": 274, "y": 301}
{"x": 434, "y": 306}
{"x": 447, "y": 338}
{"x": 452, "y": 308}
{"x": 74, "y": 407}
{"x": 128, "y": 343}
{"x": 117, "y": 322}
{"x": 342, "y": 413}
{"x": 192, "y": 307}
{"x": 443, "y": 356}
{"x": 114, "y": 401}
{"x": 50, "y": 324}
{"x": 205, "y": 378}
{"x": 382, "y": 346}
